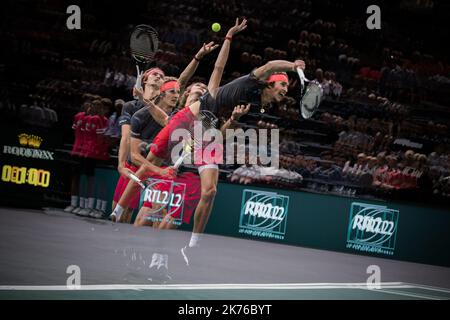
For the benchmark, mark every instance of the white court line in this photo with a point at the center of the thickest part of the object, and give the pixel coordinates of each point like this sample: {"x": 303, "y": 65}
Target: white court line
{"x": 413, "y": 295}
{"x": 226, "y": 286}
{"x": 426, "y": 287}
{"x": 385, "y": 287}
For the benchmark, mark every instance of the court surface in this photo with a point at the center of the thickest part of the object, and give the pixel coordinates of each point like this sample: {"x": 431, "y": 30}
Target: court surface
{"x": 38, "y": 246}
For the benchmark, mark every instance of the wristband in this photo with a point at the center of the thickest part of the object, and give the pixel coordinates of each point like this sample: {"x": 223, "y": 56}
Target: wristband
{"x": 228, "y": 38}
{"x": 197, "y": 59}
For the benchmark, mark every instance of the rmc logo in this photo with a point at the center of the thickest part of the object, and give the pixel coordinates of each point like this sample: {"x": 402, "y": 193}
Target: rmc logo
{"x": 263, "y": 214}
{"x": 372, "y": 228}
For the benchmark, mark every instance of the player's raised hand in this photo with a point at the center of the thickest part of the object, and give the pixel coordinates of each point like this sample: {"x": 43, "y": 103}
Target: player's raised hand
{"x": 299, "y": 64}
{"x": 138, "y": 93}
{"x": 239, "y": 111}
{"x": 206, "y": 49}
{"x": 238, "y": 27}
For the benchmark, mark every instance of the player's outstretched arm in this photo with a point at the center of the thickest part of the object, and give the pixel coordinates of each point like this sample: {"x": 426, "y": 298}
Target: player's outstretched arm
{"x": 157, "y": 113}
{"x": 124, "y": 149}
{"x": 263, "y": 72}
{"x": 187, "y": 74}
{"x": 219, "y": 67}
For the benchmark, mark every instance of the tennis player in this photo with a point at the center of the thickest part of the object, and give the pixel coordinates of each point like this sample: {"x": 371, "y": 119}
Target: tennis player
{"x": 146, "y": 170}
{"x": 148, "y": 126}
{"x": 263, "y": 86}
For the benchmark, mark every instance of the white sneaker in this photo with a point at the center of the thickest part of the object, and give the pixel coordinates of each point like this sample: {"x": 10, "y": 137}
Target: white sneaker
{"x": 97, "y": 214}
{"x": 92, "y": 213}
{"x": 76, "y": 210}
{"x": 113, "y": 217}
{"x": 69, "y": 209}
{"x": 84, "y": 212}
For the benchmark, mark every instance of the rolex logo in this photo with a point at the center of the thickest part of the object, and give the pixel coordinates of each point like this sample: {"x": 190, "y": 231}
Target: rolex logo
{"x": 34, "y": 141}
{"x": 23, "y": 139}
{"x": 30, "y": 140}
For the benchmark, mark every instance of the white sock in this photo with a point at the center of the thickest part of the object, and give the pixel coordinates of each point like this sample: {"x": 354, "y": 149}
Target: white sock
{"x": 103, "y": 206}
{"x": 195, "y": 237}
{"x": 82, "y": 203}
{"x": 74, "y": 201}
{"x": 118, "y": 211}
{"x": 91, "y": 203}
{"x": 99, "y": 204}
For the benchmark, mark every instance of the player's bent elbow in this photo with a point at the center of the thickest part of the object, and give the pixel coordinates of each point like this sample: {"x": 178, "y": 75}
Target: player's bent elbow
{"x": 263, "y": 71}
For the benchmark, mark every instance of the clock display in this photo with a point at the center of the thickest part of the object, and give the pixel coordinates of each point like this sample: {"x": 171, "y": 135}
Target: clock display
{"x": 24, "y": 175}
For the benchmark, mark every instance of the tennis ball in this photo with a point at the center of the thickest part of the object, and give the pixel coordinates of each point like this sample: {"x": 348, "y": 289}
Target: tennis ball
{"x": 215, "y": 27}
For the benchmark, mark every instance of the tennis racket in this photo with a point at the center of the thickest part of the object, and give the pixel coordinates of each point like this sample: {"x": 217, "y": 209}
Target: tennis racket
{"x": 311, "y": 97}
{"x": 143, "y": 46}
{"x": 137, "y": 180}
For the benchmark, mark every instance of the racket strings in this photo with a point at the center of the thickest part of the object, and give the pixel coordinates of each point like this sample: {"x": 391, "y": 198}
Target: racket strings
{"x": 144, "y": 43}
{"x": 143, "y": 51}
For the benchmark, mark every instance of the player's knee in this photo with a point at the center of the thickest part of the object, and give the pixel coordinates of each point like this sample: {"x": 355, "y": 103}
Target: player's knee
{"x": 209, "y": 192}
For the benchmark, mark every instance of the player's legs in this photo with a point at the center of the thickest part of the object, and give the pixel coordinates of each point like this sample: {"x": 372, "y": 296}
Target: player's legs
{"x": 113, "y": 217}
{"x": 126, "y": 216}
{"x": 167, "y": 223}
{"x": 209, "y": 178}
{"x": 132, "y": 188}
{"x": 141, "y": 218}
{"x": 123, "y": 215}
{"x": 145, "y": 213}
{"x": 127, "y": 211}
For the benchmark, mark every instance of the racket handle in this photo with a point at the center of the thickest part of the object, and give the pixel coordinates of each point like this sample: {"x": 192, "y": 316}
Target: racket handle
{"x": 302, "y": 77}
{"x": 137, "y": 180}
{"x": 138, "y": 84}
{"x": 179, "y": 161}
